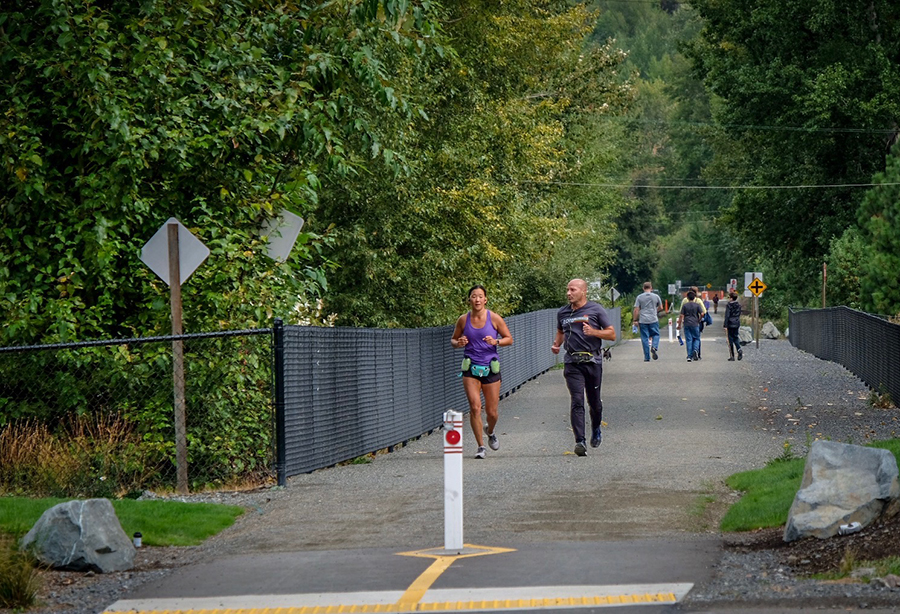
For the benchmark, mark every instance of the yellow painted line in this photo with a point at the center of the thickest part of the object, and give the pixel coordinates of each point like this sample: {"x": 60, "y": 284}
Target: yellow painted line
{"x": 447, "y": 606}
{"x": 442, "y": 562}
{"x": 411, "y": 599}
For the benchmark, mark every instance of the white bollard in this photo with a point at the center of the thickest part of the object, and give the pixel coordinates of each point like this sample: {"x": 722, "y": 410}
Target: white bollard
{"x": 671, "y": 336}
{"x": 453, "y": 482}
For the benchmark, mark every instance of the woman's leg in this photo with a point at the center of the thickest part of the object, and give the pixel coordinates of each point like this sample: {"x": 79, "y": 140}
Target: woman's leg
{"x": 473, "y": 394}
{"x": 491, "y": 404}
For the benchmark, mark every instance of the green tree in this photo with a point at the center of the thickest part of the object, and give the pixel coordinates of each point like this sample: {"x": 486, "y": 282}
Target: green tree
{"x": 879, "y": 220}
{"x": 806, "y": 94}
{"x": 219, "y": 113}
{"x": 511, "y": 122}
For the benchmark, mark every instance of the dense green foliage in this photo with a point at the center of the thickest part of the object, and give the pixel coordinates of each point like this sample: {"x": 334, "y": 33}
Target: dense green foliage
{"x": 807, "y": 95}
{"x": 217, "y": 113}
{"x": 670, "y": 231}
{"x": 111, "y": 432}
{"x": 512, "y": 119}
{"x": 879, "y": 220}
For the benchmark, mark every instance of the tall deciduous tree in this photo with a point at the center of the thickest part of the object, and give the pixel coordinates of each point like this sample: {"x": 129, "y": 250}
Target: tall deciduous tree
{"x": 511, "y": 122}
{"x": 116, "y": 116}
{"x": 879, "y": 220}
{"x": 808, "y": 92}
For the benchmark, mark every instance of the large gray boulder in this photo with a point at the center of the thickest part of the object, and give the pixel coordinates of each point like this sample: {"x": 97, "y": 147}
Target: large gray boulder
{"x": 842, "y": 483}
{"x": 745, "y": 335}
{"x": 81, "y": 536}
{"x": 770, "y": 331}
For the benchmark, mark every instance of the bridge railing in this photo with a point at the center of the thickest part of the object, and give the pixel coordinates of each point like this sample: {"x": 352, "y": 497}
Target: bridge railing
{"x": 351, "y": 391}
{"x": 866, "y": 345}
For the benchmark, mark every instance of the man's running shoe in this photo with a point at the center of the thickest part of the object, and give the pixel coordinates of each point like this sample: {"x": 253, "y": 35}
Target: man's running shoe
{"x": 740, "y": 354}
{"x": 493, "y": 441}
{"x": 596, "y": 438}
{"x": 481, "y": 452}
{"x": 580, "y": 450}
{"x": 655, "y": 355}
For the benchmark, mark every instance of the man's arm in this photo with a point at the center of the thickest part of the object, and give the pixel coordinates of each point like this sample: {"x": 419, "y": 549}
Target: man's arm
{"x": 608, "y": 333}
{"x": 557, "y": 341}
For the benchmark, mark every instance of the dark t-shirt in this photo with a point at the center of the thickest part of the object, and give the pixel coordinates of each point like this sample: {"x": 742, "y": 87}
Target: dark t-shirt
{"x": 572, "y": 328}
{"x": 692, "y": 312}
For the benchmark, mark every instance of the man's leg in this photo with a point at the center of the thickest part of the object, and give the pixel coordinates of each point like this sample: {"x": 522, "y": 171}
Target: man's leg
{"x": 695, "y": 340}
{"x": 575, "y": 382}
{"x": 689, "y": 333}
{"x": 654, "y": 338}
{"x": 645, "y": 334}
{"x": 592, "y": 381}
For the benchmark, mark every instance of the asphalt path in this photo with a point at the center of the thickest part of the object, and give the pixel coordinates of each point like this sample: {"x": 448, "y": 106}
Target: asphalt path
{"x": 634, "y": 518}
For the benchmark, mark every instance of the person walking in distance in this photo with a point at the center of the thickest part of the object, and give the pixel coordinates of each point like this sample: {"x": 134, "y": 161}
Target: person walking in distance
{"x": 689, "y": 323}
{"x": 733, "y": 325}
{"x": 716, "y": 302}
{"x": 699, "y": 301}
{"x": 480, "y": 332}
{"x": 581, "y": 328}
{"x": 647, "y": 307}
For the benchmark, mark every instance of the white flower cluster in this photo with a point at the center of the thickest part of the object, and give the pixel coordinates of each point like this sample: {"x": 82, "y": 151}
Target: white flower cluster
{"x": 309, "y": 315}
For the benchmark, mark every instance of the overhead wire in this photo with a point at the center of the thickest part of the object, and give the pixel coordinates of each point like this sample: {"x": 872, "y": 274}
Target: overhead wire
{"x": 711, "y": 187}
{"x": 761, "y": 127}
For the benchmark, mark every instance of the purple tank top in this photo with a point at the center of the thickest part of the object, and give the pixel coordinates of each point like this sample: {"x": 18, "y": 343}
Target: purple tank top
{"x": 477, "y": 350}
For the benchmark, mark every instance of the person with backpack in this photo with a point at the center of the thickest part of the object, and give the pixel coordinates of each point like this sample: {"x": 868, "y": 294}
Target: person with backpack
{"x": 704, "y": 315}
{"x": 733, "y": 325}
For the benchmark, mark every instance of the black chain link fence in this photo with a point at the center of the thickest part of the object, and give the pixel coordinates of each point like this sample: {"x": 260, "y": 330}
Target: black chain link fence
{"x": 866, "y": 345}
{"x": 96, "y": 419}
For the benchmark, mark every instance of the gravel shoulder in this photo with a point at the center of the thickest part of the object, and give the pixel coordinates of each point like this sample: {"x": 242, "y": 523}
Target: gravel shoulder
{"x": 675, "y": 431}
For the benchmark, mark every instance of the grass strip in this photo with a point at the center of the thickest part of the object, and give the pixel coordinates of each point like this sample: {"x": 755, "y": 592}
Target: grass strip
{"x": 770, "y": 491}
{"x": 162, "y": 523}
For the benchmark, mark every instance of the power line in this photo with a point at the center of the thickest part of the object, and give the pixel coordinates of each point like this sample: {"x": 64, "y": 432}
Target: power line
{"x": 761, "y": 127}
{"x": 713, "y": 187}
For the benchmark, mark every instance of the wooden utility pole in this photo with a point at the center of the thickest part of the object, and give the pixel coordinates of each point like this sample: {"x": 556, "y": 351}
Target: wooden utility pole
{"x": 178, "y": 362}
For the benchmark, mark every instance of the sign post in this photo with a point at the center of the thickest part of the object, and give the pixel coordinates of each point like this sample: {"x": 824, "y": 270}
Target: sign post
{"x": 181, "y": 479}
{"x": 173, "y": 253}
{"x": 453, "y": 482}
{"x": 757, "y": 287}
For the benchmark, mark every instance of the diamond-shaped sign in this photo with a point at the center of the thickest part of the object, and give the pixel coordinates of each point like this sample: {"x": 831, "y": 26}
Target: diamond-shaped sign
{"x": 757, "y": 286}
{"x": 191, "y": 252}
{"x": 282, "y": 232}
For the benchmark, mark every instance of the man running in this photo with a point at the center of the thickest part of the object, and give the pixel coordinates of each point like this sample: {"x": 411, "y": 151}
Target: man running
{"x": 582, "y": 325}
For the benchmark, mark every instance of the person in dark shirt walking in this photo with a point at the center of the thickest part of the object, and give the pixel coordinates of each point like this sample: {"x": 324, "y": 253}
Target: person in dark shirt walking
{"x": 582, "y": 326}
{"x": 733, "y": 325}
{"x": 689, "y": 322}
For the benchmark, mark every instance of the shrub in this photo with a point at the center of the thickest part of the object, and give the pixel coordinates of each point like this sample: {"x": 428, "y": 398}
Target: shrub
{"x": 19, "y": 580}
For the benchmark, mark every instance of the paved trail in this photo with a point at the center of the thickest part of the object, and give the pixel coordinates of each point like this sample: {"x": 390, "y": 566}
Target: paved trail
{"x": 674, "y": 431}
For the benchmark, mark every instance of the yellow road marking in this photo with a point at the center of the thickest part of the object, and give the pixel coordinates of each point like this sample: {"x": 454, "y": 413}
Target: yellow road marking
{"x": 442, "y": 562}
{"x": 411, "y": 599}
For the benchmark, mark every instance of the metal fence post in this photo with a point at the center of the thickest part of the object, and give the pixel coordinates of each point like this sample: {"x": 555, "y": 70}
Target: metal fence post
{"x": 280, "y": 433}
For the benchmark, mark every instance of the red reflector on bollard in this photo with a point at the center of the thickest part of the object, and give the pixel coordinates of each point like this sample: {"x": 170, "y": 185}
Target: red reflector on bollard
{"x": 452, "y": 437}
